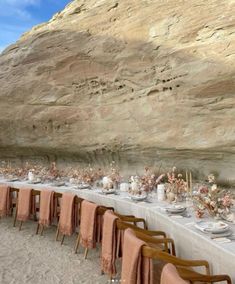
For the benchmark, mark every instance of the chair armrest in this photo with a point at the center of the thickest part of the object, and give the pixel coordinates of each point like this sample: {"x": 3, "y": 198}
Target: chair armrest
{"x": 155, "y": 233}
{"x": 166, "y": 242}
{"x": 161, "y": 255}
{"x": 192, "y": 275}
{"x": 133, "y": 220}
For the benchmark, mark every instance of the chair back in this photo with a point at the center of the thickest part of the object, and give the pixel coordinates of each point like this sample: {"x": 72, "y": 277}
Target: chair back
{"x": 165, "y": 244}
{"x": 170, "y": 275}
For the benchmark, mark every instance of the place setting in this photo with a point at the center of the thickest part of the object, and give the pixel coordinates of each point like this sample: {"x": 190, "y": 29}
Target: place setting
{"x": 82, "y": 186}
{"x": 177, "y": 211}
{"x": 218, "y": 231}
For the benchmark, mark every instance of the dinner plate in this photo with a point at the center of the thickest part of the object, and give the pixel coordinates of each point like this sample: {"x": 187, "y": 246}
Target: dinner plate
{"x": 83, "y": 186}
{"x": 13, "y": 179}
{"x": 225, "y": 234}
{"x": 212, "y": 227}
{"x": 176, "y": 209}
{"x": 59, "y": 184}
{"x": 138, "y": 197}
{"x": 35, "y": 181}
{"x": 108, "y": 191}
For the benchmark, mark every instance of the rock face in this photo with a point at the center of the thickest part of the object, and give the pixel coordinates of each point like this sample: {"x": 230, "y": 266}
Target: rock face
{"x": 141, "y": 82}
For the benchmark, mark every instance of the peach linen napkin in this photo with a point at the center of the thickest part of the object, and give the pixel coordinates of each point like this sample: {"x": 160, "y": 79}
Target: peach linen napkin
{"x": 5, "y": 200}
{"x": 109, "y": 243}
{"x": 88, "y": 224}
{"x": 171, "y": 276}
{"x": 24, "y": 204}
{"x": 135, "y": 268}
{"x": 46, "y": 207}
{"x": 66, "y": 222}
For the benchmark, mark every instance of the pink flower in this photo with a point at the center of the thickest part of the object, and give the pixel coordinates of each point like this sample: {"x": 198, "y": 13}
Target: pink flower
{"x": 226, "y": 201}
{"x": 203, "y": 190}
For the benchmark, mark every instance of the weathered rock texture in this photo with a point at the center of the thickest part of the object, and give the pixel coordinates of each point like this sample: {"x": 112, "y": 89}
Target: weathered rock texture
{"x": 139, "y": 81}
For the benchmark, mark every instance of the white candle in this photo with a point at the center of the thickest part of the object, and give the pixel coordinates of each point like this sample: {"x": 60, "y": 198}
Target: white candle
{"x": 191, "y": 182}
{"x": 161, "y": 192}
{"x": 187, "y": 181}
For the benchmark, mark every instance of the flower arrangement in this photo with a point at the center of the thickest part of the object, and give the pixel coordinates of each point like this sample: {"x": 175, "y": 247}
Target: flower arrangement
{"x": 114, "y": 173}
{"x": 112, "y": 178}
{"x": 84, "y": 175}
{"x": 217, "y": 202}
{"x": 145, "y": 183}
{"x": 176, "y": 186}
{"x": 8, "y": 171}
{"x": 149, "y": 180}
{"x": 90, "y": 175}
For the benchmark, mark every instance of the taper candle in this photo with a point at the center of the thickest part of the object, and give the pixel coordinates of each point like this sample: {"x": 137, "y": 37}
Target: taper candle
{"x": 187, "y": 181}
{"x": 191, "y": 182}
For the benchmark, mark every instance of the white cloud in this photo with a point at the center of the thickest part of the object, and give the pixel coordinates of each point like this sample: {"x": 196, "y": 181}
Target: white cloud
{"x": 20, "y": 3}
{"x": 17, "y": 8}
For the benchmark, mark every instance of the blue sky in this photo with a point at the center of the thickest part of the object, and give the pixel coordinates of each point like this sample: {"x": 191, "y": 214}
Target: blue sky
{"x": 18, "y": 16}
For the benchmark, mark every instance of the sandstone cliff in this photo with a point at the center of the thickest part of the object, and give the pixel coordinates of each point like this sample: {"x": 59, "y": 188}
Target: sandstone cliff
{"x": 138, "y": 81}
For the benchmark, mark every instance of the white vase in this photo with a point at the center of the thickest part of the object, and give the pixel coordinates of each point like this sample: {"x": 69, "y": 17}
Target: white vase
{"x": 161, "y": 195}
{"x": 107, "y": 182}
{"x": 30, "y": 176}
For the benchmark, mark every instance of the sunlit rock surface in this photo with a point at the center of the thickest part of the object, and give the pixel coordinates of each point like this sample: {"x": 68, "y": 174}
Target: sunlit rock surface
{"x": 138, "y": 82}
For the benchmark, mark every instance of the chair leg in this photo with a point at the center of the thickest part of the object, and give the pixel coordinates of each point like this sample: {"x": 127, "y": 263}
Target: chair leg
{"x": 77, "y": 243}
{"x": 86, "y": 252}
{"x": 57, "y": 233}
{"x": 38, "y": 226}
{"x": 42, "y": 230}
{"x": 35, "y": 217}
{"x": 20, "y": 225}
{"x": 62, "y": 240}
{"x": 14, "y": 224}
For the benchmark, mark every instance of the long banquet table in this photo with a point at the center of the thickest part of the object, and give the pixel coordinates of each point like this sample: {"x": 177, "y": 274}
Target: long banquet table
{"x": 190, "y": 242}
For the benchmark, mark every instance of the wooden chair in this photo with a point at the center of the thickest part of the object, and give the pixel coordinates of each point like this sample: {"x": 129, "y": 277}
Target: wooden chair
{"x": 184, "y": 266}
{"x": 150, "y": 237}
{"x": 57, "y": 196}
{"x": 34, "y": 205}
{"x": 132, "y": 220}
{"x": 13, "y": 196}
{"x": 155, "y": 238}
{"x": 100, "y": 212}
{"x": 77, "y": 205}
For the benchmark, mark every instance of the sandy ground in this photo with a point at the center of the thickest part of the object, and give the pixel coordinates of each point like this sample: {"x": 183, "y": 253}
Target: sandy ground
{"x": 28, "y": 258}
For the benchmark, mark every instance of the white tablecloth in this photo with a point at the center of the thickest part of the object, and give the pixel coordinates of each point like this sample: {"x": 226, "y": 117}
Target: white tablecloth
{"x": 190, "y": 243}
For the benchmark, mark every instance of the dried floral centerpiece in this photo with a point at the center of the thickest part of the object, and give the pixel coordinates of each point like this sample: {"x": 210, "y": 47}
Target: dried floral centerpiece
{"x": 11, "y": 172}
{"x": 112, "y": 179}
{"x": 176, "y": 186}
{"x": 90, "y": 175}
{"x": 216, "y": 201}
{"x": 149, "y": 180}
{"x": 142, "y": 185}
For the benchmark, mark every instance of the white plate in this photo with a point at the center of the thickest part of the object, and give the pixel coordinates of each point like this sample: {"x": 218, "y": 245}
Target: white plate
{"x": 110, "y": 191}
{"x": 138, "y": 197}
{"x": 13, "y": 179}
{"x": 35, "y": 181}
{"x": 176, "y": 209}
{"x": 212, "y": 227}
{"x": 59, "y": 184}
{"x": 83, "y": 186}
